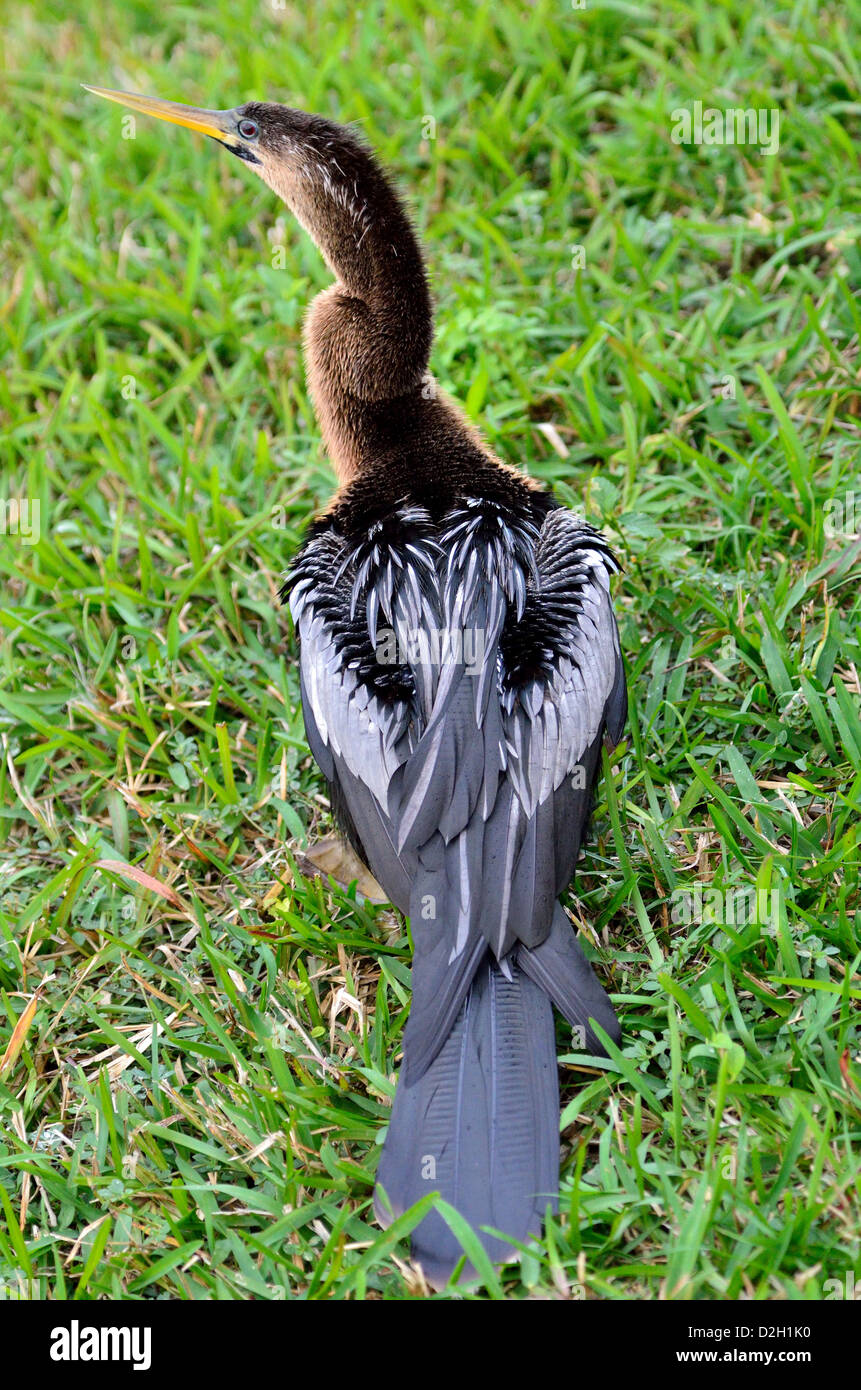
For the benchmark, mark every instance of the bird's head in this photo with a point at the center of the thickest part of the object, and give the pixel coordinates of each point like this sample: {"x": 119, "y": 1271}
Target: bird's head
{"x": 274, "y": 140}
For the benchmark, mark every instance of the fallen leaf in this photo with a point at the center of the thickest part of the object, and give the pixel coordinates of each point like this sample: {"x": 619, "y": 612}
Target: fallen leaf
{"x": 19, "y": 1034}
{"x": 335, "y": 857}
{"x": 118, "y": 866}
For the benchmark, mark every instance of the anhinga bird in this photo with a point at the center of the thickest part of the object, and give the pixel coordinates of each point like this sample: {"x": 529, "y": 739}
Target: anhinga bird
{"x": 460, "y": 666}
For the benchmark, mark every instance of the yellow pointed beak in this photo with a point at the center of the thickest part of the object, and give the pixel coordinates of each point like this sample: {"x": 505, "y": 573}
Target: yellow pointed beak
{"x": 216, "y": 124}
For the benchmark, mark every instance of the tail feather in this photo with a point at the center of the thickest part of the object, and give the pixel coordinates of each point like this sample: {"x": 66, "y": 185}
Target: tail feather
{"x": 480, "y": 1125}
{"x": 560, "y": 967}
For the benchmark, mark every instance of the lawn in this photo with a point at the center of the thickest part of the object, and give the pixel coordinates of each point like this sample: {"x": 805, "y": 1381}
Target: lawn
{"x": 193, "y": 1103}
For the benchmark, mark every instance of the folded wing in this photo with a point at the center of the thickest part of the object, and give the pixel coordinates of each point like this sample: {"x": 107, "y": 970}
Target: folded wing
{"x": 457, "y": 678}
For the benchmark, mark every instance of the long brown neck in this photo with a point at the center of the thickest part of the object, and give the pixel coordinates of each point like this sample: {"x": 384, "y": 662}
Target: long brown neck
{"x": 368, "y": 337}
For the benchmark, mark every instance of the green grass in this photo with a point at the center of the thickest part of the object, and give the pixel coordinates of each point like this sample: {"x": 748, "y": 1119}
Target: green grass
{"x": 197, "y": 1109}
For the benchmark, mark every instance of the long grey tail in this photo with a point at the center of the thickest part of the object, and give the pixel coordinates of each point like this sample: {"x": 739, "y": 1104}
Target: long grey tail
{"x": 480, "y": 1125}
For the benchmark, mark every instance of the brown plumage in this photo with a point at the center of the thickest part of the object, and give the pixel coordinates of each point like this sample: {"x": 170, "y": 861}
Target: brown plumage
{"x": 459, "y": 667}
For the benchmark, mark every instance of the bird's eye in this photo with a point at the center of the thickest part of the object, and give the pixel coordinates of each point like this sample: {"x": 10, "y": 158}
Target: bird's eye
{"x": 247, "y": 129}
